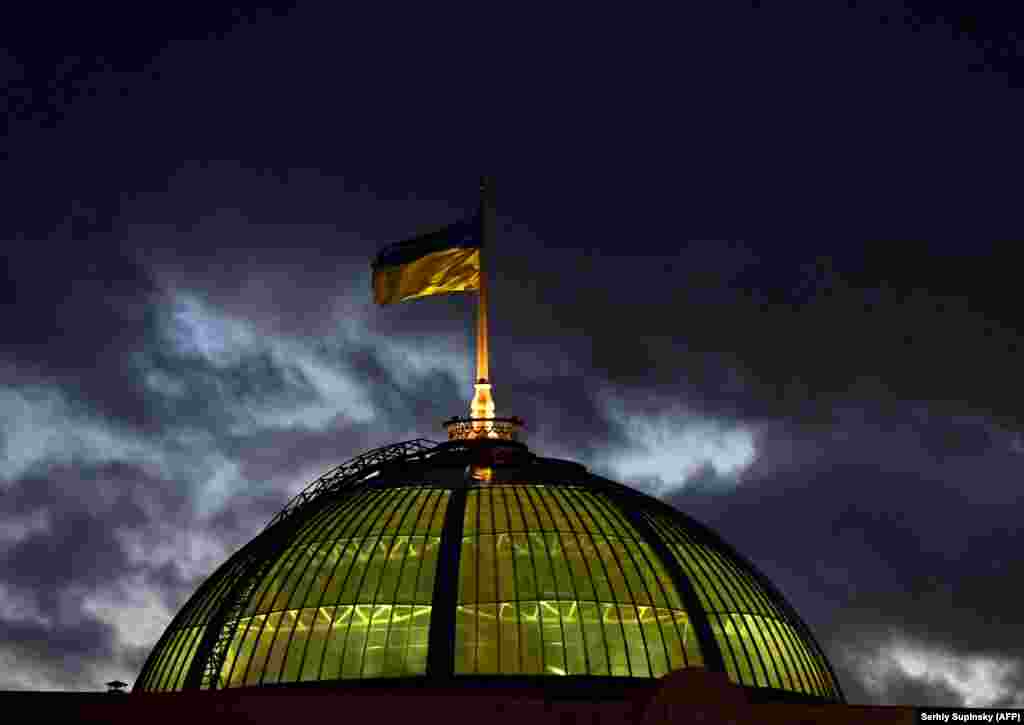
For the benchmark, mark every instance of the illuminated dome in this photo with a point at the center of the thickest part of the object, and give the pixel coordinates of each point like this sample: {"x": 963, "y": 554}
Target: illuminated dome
{"x": 473, "y": 560}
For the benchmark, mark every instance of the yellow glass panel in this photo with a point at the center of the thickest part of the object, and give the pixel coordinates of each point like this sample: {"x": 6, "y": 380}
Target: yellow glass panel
{"x": 262, "y": 650}
{"x": 355, "y": 640}
{"x": 530, "y": 521}
{"x": 375, "y": 654}
{"x": 564, "y": 584}
{"x": 526, "y": 574}
{"x": 320, "y": 629}
{"x": 441, "y": 505}
{"x": 499, "y": 509}
{"x": 416, "y": 650}
{"x": 567, "y": 515}
{"x": 531, "y": 642}
{"x": 737, "y": 640}
{"x": 469, "y": 519}
{"x": 608, "y": 579}
{"x": 632, "y": 563}
{"x": 593, "y": 628}
{"x": 652, "y": 635}
{"x": 618, "y": 654}
{"x": 536, "y": 548}
{"x": 554, "y": 643}
{"x": 691, "y": 645}
{"x": 467, "y": 572}
{"x": 675, "y": 631}
{"x": 657, "y": 579}
{"x": 191, "y": 644}
{"x": 465, "y": 639}
{"x": 575, "y": 645}
{"x": 254, "y": 629}
{"x": 428, "y": 569}
{"x": 577, "y": 556}
{"x": 485, "y": 518}
{"x": 530, "y": 497}
{"x": 487, "y": 570}
{"x": 508, "y": 621}
{"x": 586, "y": 518}
{"x": 279, "y": 645}
{"x": 488, "y": 639}
{"x": 169, "y": 660}
{"x": 334, "y": 643}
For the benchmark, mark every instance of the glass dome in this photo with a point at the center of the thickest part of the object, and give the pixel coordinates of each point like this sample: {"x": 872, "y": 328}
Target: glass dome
{"x": 477, "y": 559}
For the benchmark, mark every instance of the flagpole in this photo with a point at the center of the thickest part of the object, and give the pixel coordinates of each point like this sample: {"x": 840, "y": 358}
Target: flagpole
{"x": 483, "y": 404}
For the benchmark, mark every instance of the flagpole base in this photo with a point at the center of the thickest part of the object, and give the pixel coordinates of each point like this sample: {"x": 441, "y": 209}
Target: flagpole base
{"x": 463, "y": 429}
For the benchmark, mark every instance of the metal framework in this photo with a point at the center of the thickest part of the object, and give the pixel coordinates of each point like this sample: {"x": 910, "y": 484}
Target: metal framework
{"x": 543, "y": 570}
{"x": 354, "y": 470}
{"x": 472, "y": 428}
{"x": 255, "y": 561}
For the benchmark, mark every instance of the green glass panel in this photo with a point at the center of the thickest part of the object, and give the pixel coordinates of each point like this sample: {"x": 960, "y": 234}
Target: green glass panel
{"x": 262, "y": 649}
{"x": 568, "y": 520}
{"x": 169, "y": 659}
{"x": 469, "y": 519}
{"x": 485, "y": 516}
{"x": 375, "y": 661}
{"x": 576, "y": 556}
{"x": 508, "y": 622}
{"x": 487, "y": 573}
{"x": 531, "y": 498}
{"x": 675, "y": 628}
{"x": 440, "y": 506}
{"x": 529, "y": 520}
{"x": 467, "y": 572}
{"x": 611, "y": 575}
{"x": 355, "y": 640}
{"x": 428, "y": 569}
{"x": 554, "y": 644}
{"x": 605, "y": 515}
{"x": 499, "y": 509}
{"x": 419, "y": 632}
{"x": 192, "y": 640}
{"x": 564, "y": 584}
{"x": 525, "y": 565}
{"x": 465, "y": 640}
{"x": 691, "y": 646}
{"x": 575, "y": 645}
{"x": 634, "y": 566}
{"x": 488, "y": 639}
{"x": 320, "y": 628}
{"x": 593, "y": 628}
{"x": 405, "y": 590}
{"x": 279, "y": 646}
{"x": 161, "y": 673}
{"x": 335, "y": 644}
{"x": 654, "y": 641}
{"x": 618, "y": 654}
{"x": 636, "y": 646}
{"x": 659, "y": 581}
{"x": 536, "y": 548}
{"x": 532, "y": 641}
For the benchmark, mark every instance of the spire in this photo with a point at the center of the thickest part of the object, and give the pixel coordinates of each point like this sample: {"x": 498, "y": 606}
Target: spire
{"x": 483, "y": 404}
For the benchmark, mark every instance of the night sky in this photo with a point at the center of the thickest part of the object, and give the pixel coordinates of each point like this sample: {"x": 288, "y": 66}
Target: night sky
{"x": 757, "y": 261}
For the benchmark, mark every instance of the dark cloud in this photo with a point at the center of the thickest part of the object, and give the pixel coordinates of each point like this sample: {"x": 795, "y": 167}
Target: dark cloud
{"x": 749, "y": 261}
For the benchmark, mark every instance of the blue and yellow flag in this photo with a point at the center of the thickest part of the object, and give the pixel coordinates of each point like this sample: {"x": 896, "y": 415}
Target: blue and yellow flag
{"x": 438, "y": 263}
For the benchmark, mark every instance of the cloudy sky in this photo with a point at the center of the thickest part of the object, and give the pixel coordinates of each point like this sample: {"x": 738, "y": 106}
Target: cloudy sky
{"x": 755, "y": 261}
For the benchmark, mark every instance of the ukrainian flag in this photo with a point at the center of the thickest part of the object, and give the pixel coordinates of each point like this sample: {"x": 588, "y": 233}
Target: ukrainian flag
{"x": 444, "y": 261}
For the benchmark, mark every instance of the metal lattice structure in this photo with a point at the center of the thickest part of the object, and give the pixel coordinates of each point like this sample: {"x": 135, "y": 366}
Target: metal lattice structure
{"x": 408, "y": 562}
